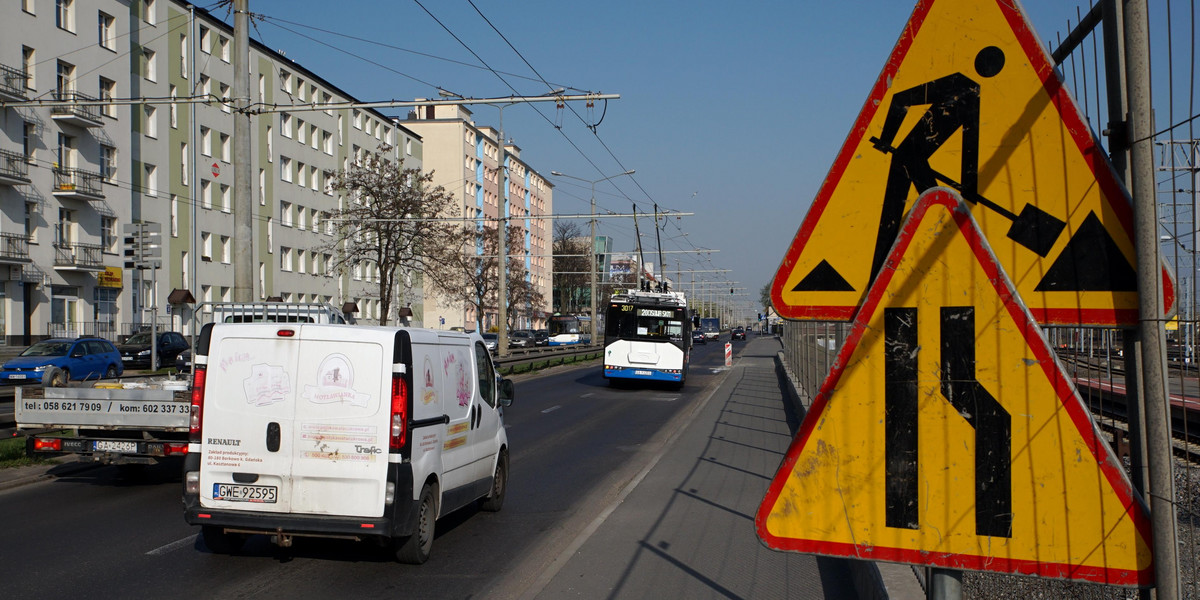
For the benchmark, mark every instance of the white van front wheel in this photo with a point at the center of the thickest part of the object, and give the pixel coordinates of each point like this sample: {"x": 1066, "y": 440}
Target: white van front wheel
{"x": 415, "y": 549}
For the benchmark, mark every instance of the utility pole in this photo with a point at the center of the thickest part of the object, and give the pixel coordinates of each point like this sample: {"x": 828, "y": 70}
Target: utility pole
{"x": 243, "y": 238}
{"x": 1150, "y": 310}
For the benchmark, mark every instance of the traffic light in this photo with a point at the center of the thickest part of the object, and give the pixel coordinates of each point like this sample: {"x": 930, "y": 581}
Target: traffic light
{"x": 731, "y": 291}
{"x": 759, "y": 316}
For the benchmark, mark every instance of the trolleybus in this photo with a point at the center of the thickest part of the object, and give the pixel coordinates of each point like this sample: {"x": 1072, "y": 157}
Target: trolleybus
{"x": 647, "y": 336}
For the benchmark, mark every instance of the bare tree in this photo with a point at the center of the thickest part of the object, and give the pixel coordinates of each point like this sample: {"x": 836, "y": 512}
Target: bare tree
{"x": 389, "y": 217}
{"x": 470, "y": 276}
{"x": 571, "y": 266}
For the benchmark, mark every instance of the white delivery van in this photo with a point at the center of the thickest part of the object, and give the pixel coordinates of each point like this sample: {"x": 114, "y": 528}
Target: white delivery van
{"x": 367, "y": 433}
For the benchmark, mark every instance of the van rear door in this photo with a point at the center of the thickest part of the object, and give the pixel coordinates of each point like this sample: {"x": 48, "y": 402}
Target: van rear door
{"x": 294, "y": 421}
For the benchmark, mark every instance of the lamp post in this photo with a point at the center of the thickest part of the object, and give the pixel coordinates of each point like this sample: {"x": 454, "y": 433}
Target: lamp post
{"x": 592, "y": 243}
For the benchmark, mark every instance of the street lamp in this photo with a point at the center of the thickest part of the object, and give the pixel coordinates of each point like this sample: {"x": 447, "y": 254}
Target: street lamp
{"x": 592, "y": 243}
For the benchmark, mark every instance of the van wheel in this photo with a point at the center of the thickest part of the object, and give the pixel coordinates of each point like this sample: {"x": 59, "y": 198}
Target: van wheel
{"x": 221, "y": 542}
{"x": 495, "y": 500}
{"x": 415, "y": 549}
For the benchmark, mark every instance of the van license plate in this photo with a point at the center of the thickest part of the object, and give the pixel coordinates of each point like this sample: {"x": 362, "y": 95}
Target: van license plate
{"x": 232, "y": 492}
{"x": 109, "y": 446}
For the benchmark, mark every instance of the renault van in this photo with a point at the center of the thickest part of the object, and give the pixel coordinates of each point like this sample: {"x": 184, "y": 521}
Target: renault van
{"x": 341, "y": 431}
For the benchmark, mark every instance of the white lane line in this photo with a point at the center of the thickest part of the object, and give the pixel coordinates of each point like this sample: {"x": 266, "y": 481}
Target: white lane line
{"x": 551, "y": 409}
{"x": 173, "y": 546}
{"x": 588, "y": 395}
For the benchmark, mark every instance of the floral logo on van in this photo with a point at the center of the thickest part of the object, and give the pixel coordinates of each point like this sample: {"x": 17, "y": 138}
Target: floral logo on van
{"x": 335, "y": 384}
{"x": 455, "y": 363}
{"x": 266, "y": 385}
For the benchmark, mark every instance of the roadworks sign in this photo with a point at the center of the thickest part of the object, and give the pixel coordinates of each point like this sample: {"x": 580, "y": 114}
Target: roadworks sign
{"x": 970, "y": 100}
{"x": 947, "y": 433}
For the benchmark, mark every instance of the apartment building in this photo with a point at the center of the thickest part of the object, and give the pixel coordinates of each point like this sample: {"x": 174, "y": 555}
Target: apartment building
{"x": 75, "y": 170}
{"x": 466, "y": 160}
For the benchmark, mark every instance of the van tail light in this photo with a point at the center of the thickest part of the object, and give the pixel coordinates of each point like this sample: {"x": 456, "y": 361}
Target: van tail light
{"x": 399, "y": 431}
{"x": 199, "y": 375}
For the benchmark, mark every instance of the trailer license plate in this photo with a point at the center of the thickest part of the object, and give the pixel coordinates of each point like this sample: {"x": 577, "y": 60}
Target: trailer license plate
{"x": 110, "y": 446}
{"x": 232, "y": 492}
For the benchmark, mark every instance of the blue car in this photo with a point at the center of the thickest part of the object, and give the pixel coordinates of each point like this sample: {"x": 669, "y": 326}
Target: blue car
{"x": 58, "y": 360}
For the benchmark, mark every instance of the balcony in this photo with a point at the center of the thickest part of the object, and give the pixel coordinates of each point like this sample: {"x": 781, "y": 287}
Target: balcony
{"x": 78, "y": 112}
{"x": 75, "y": 183}
{"x": 12, "y": 84}
{"x": 14, "y": 168}
{"x": 14, "y": 249}
{"x": 78, "y": 257}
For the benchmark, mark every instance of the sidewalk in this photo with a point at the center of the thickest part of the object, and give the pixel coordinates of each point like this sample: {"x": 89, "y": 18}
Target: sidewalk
{"x": 63, "y": 465}
{"x": 685, "y": 528}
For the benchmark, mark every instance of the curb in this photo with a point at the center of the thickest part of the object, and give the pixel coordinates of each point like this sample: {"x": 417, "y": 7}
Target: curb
{"x": 21, "y": 476}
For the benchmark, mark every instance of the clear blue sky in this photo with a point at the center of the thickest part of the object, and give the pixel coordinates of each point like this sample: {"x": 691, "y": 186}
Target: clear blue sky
{"x": 733, "y": 112}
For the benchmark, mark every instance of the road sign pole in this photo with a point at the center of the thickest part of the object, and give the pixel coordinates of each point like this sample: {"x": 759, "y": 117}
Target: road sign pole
{"x": 1150, "y": 310}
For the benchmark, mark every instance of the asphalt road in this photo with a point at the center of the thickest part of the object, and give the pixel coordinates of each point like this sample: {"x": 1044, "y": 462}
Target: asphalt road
{"x": 575, "y": 443}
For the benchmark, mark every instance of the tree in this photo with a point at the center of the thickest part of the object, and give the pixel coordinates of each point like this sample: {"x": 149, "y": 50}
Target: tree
{"x": 571, "y": 266}
{"x": 470, "y": 277}
{"x": 764, "y": 296}
{"x": 389, "y": 217}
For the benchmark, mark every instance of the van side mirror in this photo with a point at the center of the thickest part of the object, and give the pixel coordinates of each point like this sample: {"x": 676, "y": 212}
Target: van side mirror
{"x": 507, "y": 392}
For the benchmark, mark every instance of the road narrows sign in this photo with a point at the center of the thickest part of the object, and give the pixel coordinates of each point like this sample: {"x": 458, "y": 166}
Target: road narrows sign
{"x": 948, "y": 434}
{"x": 970, "y": 100}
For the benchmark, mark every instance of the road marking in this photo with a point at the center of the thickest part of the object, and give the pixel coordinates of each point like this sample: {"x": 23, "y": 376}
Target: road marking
{"x": 664, "y": 398}
{"x": 173, "y": 546}
{"x": 588, "y": 395}
{"x": 551, "y": 409}
{"x": 719, "y": 369}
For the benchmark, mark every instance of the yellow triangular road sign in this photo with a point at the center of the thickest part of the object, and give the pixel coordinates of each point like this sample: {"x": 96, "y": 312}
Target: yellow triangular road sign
{"x": 948, "y": 434}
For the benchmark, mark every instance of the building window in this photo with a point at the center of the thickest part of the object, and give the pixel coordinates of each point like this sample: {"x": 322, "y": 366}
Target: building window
{"x": 300, "y": 131}
{"x": 262, "y": 187}
{"x": 108, "y": 234}
{"x": 27, "y": 6}
{"x": 205, "y": 40}
{"x": 285, "y": 214}
{"x": 108, "y": 90}
{"x": 285, "y": 258}
{"x": 312, "y": 136}
{"x": 205, "y": 141}
{"x": 285, "y": 125}
{"x": 327, "y": 142}
{"x": 301, "y": 174}
{"x": 224, "y": 147}
{"x": 262, "y": 88}
{"x": 108, "y": 31}
{"x": 205, "y": 245}
{"x": 205, "y": 85}
{"x": 108, "y": 163}
{"x": 148, "y": 17}
{"x": 151, "y": 180}
{"x": 29, "y": 142}
{"x": 301, "y": 261}
{"x": 223, "y": 43}
{"x": 184, "y": 163}
{"x": 64, "y": 14}
{"x": 63, "y": 228}
{"x": 226, "y": 203}
{"x": 66, "y": 78}
{"x": 183, "y": 56}
{"x": 151, "y": 69}
{"x": 205, "y": 193}
{"x": 285, "y": 81}
{"x": 225, "y": 249}
{"x": 151, "y": 121}
{"x": 285, "y": 169}
{"x": 357, "y": 120}
{"x": 270, "y": 144}
{"x": 300, "y": 90}
{"x": 31, "y": 222}
{"x": 226, "y": 99}
{"x": 174, "y": 108}
{"x": 174, "y": 215}
{"x": 326, "y": 99}
{"x": 27, "y": 63}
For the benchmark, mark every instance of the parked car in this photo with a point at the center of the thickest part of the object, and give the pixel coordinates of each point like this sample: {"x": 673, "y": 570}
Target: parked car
{"x": 739, "y": 333}
{"x": 522, "y": 338}
{"x": 541, "y": 337}
{"x": 135, "y": 351}
{"x": 183, "y": 361}
{"x": 698, "y": 337}
{"x": 58, "y": 360}
{"x": 491, "y": 340}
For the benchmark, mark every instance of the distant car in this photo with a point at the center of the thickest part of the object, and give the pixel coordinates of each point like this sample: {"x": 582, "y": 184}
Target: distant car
{"x": 135, "y": 351}
{"x": 58, "y": 360}
{"x": 491, "y": 340}
{"x": 739, "y": 333}
{"x": 183, "y": 361}
{"x": 541, "y": 337}
{"x": 521, "y": 338}
{"x": 698, "y": 337}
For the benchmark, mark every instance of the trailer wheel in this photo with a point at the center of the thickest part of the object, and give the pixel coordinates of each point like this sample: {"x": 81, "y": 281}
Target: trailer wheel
{"x": 415, "y": 549}
{"x": 221, "y": 542}
{"x": 494, "y": 501}
{"x": 55, "y": 377}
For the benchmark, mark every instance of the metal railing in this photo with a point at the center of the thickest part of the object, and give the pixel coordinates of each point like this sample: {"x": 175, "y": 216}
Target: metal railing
{"x": 90, "y": 112}
{"x": 74, "y": 329}
{"x": 14, "y": 246}
{"x": 71, "y": 179}
{"x": 13, "y": 81}
{"x": 78, "y": 255}
{"x": 14, "y": 165}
